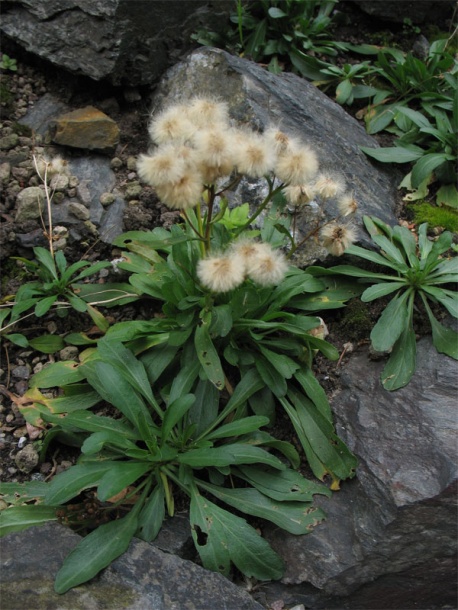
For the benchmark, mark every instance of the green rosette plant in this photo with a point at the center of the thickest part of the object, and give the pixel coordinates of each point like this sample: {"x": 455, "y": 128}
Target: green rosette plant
{"x": 418, "y": 271}
{"x": 193, "y": 392}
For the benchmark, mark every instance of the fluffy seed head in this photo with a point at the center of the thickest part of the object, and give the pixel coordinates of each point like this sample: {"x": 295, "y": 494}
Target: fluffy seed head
{"x": 221, "y": 273}
{"x": 50, "y": 167}
{"x": 265, "y": 266}
{"x": 296, "y": 165}
{"x": 278, "y": 140}
{"x": 337, "y": 237}
{"x": 203, "y": 112}
{"x": 328, "y": 185}
{"x": 347, "y": 205}
{"x": 171, "y": 124}
{"x": 253, "y": 156}
{"x": 184, "y": 193}
{"x": 164, "y": 166}
{"x": 214, "y": 152}
{"x": 299, "y": 194}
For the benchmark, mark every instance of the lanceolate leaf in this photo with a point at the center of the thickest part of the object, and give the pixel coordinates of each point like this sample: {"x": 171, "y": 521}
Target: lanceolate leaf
{"x": 285, "y": 485}
{"x": 95, "y": 552}
{"x": 221, "y": 537}
{"x": 119, "y": 476}
{"x": 445, "y": 339}
{"x": 380, "y": 290}
{"x": 19, "y": 518}
{"x": 207, "y": 354}
{"x": 71, "y": 482}
{"x": 400, "y": 367}
{"x": 294, "y": 517}
{"x": 152, "y": 515}
{"x": 235, "y": 453}
{"x": 391, "y": 323}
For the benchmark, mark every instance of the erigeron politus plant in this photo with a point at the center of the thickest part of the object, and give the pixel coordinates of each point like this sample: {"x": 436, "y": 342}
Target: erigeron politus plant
{"x": 198, "y": 385}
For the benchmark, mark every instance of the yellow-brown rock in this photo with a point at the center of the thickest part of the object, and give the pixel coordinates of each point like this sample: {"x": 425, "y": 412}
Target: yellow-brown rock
{"x": 86, "y": 128}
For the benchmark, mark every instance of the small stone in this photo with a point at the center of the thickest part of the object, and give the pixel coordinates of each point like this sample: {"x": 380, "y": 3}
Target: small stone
{"x": 86, "y": 128}
{"x": 59, "y": 182}
{"x": 116, "y": 163}
{"x": 132, "y": 163}
{"x": 30, "y": 202}
{"x": 58, "y": 197}
{"x": 79, "y": 210}
{"x": 107, "y": 199}
{"x": 5, "y": 171}
{"x": 133, "y": 191}
{"x": 9, "y": 141}
{"x": 90, "y": 226}
{"x": 73, "y": 181}
{"x": 69, "y": 353}
{"x": 26, "y": 459}
{"x": 21, "y": 372}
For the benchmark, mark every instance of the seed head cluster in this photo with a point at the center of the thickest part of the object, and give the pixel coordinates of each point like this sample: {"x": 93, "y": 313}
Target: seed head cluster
{"x": 195, "y": 146}
{"x": 244, "y": 259}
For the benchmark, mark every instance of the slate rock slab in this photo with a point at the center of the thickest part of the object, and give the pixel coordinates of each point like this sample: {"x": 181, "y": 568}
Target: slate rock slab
{"x": 143, "y": 578}
{"x": 258, "y": 99}
{"x": 127, "y": 42}
{"x": 400, "y": 511}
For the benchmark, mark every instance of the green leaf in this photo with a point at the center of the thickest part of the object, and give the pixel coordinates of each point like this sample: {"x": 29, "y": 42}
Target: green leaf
{"x": 221, "y": 537}
{"x": 393, "y": 154}
{"x": 323, "y": 448}
{"x": 207, "y": 354}
{"x": 294, "y": 517}
{"x": 447, "y": 298}
{"x": 45, "y": 258}
{"x": 344, "y": 92}
{"x": 238, "y": 427}
{"x": 271, "y": 377}
{"x": 18, "y": 518}
{"x": 226, "y": 455}
{"x": 44, "y": 305}
{"x": 47, "y": 344}
{"x": 57, "y": 374}
{"x": 130, "y": 367}
{"x": 152, "y": 515}
{"x": 401, "y": 365}
{"x": 86, "y": 420}
{"x": 284, "y": 365}
{"x": 285, "y": 485}
{"x": 17, "y": 339}
{"x": 425, "y": 166}
{"x": 380, "y": 290}
{"x": 95, "y": 552}
{"x": 71, "y": 482}
{"x": 174, "y": 413}
{"x": 119, "y": 476}
{"x": 445, "y": 340}
{"x": 391, "y": 323}
{"x": 117, "y": 390}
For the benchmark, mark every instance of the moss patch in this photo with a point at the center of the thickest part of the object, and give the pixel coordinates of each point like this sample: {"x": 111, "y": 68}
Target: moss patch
{"x": 444, "y": 216}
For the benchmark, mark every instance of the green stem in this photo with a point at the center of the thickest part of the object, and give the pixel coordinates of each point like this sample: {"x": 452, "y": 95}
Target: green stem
{"x": 262, "y": 207}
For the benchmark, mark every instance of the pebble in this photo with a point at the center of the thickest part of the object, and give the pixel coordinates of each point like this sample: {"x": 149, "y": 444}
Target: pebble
{"x": 79, "y": 210}
{"x": 26, "y": 459}
{"x": 107, "y": 199}
{"x": 132, "y": 163}
{"x": 116, "y": 163}
{"x": 69, "y": 353}
{"x": 21, "y": 372}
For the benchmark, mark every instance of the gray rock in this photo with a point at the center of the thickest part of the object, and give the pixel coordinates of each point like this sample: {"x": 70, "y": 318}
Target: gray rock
{"x": 399, "y": 513}
{"x": 30, "y": 203}
{"x": 79, "y": 210}
{"x": 26, "y": 459}
{"x": 129, "y": 42}
{"x": 40, "y": 116}
{"x": 143, "y": 578}
{"x": 418, "y": 11}
{"x": 258, "y": 98}
{"x": 9, "y": 141}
